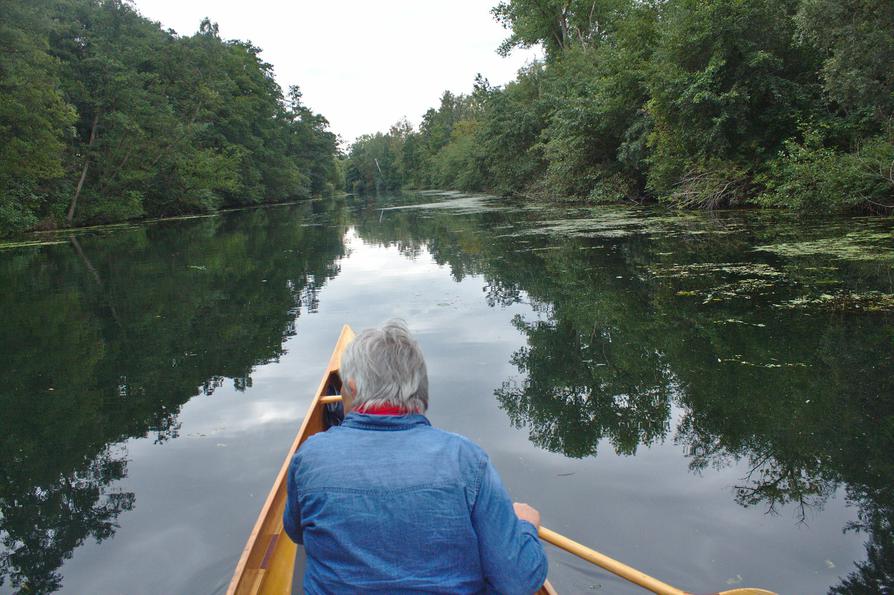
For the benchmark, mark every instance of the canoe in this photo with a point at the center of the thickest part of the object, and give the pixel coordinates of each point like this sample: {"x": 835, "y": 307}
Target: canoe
{"x": 267, "y": 564}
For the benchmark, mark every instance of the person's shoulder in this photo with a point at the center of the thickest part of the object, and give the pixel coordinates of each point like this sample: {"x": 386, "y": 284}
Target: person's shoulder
{"x": 463, "y": 454}
{"x": 319, "y": 442}
{"x": 463, "y": 443}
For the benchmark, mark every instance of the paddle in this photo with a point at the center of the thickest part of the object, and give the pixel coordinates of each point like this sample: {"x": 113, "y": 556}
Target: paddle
{"x": 631, "y": 574}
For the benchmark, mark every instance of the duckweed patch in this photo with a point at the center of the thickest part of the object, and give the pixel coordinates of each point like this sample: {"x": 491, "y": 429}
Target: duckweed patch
{"x": 683, "y": 271}
{"x": 89, "y": 229}
{"x": 743, "y": 288}
{"x": 742, "y": 322}
{"x": 744, "y": 279}
{"x": 737, "y": 359}
{"x": 584, "y": 228}
{"x": 856, "y": 245}
{"x": 843, "y": 301}
{"x": 620, "y": 222}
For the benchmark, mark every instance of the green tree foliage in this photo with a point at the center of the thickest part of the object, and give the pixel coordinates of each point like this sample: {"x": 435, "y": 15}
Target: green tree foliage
{"x": 134, "y": 121}
{"x": 727, "y": 85}
{"x": 444, "y": 137}
{"x": 595, "y": 141}
{"x": 856, "y": 38}
{"x": 812, "y": 176}
{"x": 511, "y": 130}
{"x": 846, "y": 158}
{"x": 309, "y": 138}
{"x": 557, "y": 25}
{"x": 35, "y": 118}
{"x": 693, "y": 103}
{"x": 372, "y": 165}
{"x": 489, "y": 139}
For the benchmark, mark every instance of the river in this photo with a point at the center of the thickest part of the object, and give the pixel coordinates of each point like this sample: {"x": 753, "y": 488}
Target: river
{"x": 708, "y": 397}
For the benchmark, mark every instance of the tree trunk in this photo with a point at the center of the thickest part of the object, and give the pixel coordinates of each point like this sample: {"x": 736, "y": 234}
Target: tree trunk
{"x": 74, "y": 201}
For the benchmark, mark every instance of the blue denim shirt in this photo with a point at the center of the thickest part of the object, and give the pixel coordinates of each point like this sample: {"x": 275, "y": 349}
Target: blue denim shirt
{"x": 389, "y": 503}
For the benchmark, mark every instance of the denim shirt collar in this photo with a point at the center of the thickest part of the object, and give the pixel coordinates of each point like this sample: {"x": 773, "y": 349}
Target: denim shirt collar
{"x": 366, "y": 421}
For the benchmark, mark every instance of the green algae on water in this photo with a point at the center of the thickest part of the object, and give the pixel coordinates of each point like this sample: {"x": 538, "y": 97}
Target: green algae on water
{"x": 742, "y": 322}
{"x": 843, "y": 301}
{"x": 743, "y": 288}
{"x": 856, "y": 245}
{"x": 621, "y": 222}
{"x": 743, "y": 279}
{"x": 745, "y": 269}
{"x": 737, "y": 359}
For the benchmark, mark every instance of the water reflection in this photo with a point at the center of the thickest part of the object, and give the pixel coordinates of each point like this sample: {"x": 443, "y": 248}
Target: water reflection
{"x": 630, "y": 317}
{"x": 581, "y": 387}
{"x": 44, "y": 522}
{"x": 135, "y": 323}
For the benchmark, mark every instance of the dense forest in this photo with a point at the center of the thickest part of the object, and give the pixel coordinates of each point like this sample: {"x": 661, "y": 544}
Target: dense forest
{"x": 779, "y": 103}
{"x": 106, "y": 117}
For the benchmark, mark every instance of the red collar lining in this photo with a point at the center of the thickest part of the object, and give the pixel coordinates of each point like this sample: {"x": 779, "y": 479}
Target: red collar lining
{"x": 382, "y": 410}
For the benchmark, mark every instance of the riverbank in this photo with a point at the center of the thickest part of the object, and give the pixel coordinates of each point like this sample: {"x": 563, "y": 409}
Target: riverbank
{"x": 51, "y": 236}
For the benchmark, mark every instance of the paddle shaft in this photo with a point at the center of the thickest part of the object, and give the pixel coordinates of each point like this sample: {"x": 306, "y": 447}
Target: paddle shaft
{"x": 631, "y": 574}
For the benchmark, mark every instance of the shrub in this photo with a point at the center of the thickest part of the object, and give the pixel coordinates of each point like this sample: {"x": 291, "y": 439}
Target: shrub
{"x": 813, "y": 178}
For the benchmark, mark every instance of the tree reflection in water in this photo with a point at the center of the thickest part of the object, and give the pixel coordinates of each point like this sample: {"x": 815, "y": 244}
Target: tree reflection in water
{"x": 44, "y": 524}
{"x": 802, "y": 397}
{"x": 106, "y": 338}
{"x": 580, "y": 388}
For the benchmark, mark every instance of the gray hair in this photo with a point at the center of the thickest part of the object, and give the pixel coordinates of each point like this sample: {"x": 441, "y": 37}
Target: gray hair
{"x": 387, "y": 367}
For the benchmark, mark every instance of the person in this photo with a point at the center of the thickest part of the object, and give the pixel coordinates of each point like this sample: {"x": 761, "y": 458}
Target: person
{"x": 386, "y": 502}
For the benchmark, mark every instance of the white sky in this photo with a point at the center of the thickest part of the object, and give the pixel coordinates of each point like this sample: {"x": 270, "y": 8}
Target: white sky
{"x": 363, "y": 64}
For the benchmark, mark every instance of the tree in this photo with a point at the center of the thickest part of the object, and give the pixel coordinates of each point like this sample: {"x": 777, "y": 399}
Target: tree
{"x": 556, "y": 24}
{"x": 727, "y": 86}
{"x": 856, "y": 38}
{"x": 510, "y": 133}
{"x": 35, "y": 118}
{"x": 106, "y": 117}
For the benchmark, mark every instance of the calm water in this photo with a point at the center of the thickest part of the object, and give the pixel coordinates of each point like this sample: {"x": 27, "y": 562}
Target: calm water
{"x": 707, "y": 398}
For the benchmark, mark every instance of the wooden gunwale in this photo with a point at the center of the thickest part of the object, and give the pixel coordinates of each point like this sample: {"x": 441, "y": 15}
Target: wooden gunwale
{"x": 268, "y": 559}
